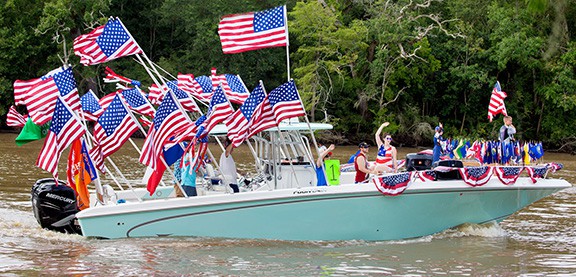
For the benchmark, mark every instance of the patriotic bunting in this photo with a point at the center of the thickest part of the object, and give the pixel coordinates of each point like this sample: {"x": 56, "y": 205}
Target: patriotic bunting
{"x": 476, "y": 175}
{"x": 508, "y": 174}
{"x": 395, "y": 184}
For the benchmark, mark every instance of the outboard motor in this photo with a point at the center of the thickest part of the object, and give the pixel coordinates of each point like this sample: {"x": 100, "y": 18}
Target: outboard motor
{"x": 418, "y": 161}
{"x": 55, "y": 206}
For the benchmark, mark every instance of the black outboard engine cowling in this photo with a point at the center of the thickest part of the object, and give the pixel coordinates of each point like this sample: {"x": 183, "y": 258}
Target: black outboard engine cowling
{"x": 55, "y": 206}
{"x": 418, "y": 161}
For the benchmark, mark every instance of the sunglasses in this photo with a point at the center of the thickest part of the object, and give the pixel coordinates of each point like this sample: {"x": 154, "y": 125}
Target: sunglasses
{"x": 388, "y": 138}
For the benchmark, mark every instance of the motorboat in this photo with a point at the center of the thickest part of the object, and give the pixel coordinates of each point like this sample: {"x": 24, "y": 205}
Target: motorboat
{"x": 283, "y": 202}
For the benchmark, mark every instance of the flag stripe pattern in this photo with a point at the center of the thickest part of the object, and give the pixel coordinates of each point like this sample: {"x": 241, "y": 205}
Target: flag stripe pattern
{"x": 40, "y": 99}
{"x": 497, "y": 102}
{"x": 189, "y": 84}
{"x": 21, "y": 89}
{"x": 137, "y": 102}
{"x": 65, "y": 128}
{"x": 262, "y": 119}
{"x": 113, "y": 77}
{"x": 105, "y": 43}
{"x": 237, "y": 123}
{"x": 14, "y": 118}
{"x": 254, "y": 30}
{"x": 285, "y": 102}
{"x": 114, "y": 127}
{"x": 218, "y": 111}
{"x": 170, "y": 119}
{"x": 508, "y": 174}
{"x": 183, "y": 97}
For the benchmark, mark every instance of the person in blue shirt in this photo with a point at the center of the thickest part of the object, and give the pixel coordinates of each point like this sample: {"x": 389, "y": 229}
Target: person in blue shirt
{"x": 188, "y": 176}
{"x": 437, "y": 150}
{"x": 320, "y": 175}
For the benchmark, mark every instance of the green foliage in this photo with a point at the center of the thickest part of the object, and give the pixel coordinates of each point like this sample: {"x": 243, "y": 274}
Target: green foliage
{"x": 356, "y": 63}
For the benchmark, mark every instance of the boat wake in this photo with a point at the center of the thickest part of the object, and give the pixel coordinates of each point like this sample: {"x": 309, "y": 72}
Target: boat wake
{"x": 19, "y": 224}
{"x": 487, "y": 230}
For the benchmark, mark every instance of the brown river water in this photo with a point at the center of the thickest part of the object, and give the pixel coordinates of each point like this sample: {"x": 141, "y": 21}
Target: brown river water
{"x": 538, "y": 240}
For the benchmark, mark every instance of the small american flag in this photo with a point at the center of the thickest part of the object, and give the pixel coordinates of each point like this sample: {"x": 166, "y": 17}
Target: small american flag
{"x": 189, "y": 84}
{"x": 285, "y": 102}
{"x": 156, "y": 94}
{"x": 113, "y": 77}
{"x": 218, "y": 111}
{"x": 508, "y": 174}
{"x": 137, "y": 102}
{"x": 169, "y": 121}
{"x": 205, "y": 83}
{"x": 65, "y": 128}
{"x": 90, "y": 106}
{"x": 107, "y": 99}
{"x": 183, "y": 97}
{"x": 253, "y": 30}
{"x": 40, "y": 99}
{"x": 394, "y": 184}
{"x": 497, "y": 102}
{"x": 234, "y": 88}
{"x": 262, "y": 118}
{"x": 237, "y": 123}
{"x": 14, "y": 118}
{"x": 476, "y": 175}
{"x": 114, "y": 127}
{"x": 105, "y": 43}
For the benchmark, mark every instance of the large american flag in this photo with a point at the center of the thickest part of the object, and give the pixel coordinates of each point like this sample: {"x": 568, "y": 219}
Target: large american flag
{"x": 114, "y": 127}
{"x": 253, "y": 30}
{"x": 14, "y": 118}
{"x": 65, "y": 128}
{"x": 137, "y": 102}
{"x": 105, "y": 43}
{"x": 40, "y": 99}
{"x": 237, "y": 123}
{"x": 497, "y": 102}
{"x": 218, "y": 111}
{"x": 90, "y": 106}
{"x": 169, "y": 121}
{"x": 285, "y": 102}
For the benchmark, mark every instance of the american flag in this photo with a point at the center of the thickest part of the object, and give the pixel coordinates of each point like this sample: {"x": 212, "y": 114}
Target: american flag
{"x": 285, "y": 102}
{"x": 188, "y": 83}
{"x": 65, "y": 128}
{"x": 14, "y": 118}
{"x": 237, "y": 123}
{"x": 113, "y": 77}
{"x": 107, "y": 99}
{"x": 536, "y": 172}
{"x": 234, "y": 88}
{"x": 114, "y": 127}
{"x": 156, "y": 93}
{"x": 169, "y": 121}
{"x": 218, "y": 111}
{"x": 262, "y": 118}
{"x": 183, "y": 97}
{"x": 105, "y": 43}
{"x": 253, "y": 30}
{"x": 508, "y": 174}
{"x": 205, "y": 83}
{"x": 90, "y": 106}
{"x": 40, "y": 99}
{"x": 476, "y": 175}
{"x": 394, "y": 184}
{"x": 21, "y": 88}
{"x": 497, "y": 102}
{"x": 137, "y": 102}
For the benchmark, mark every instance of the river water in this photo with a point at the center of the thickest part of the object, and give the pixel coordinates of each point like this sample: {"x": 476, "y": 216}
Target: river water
{"x": 538, "y": 240}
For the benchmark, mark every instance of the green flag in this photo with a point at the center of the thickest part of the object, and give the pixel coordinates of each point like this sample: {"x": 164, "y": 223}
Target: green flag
{"x": 32, "y": 132}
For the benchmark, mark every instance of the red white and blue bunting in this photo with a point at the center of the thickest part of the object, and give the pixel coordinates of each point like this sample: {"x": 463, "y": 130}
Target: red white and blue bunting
{"x": 394, "y": 184}
{"x": 508, "y": 174}
{"x": 476, "y": 175}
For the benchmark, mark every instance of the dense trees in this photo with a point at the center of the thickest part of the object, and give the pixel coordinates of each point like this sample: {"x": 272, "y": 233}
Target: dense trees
{"x": 356, "y": 63}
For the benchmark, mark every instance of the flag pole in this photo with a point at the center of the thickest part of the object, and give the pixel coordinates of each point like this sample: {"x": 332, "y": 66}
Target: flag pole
{"x": 287, "y": 42}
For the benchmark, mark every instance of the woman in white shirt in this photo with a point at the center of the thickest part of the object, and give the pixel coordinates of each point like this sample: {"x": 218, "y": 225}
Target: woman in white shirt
{"x": 228, "y": 167}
